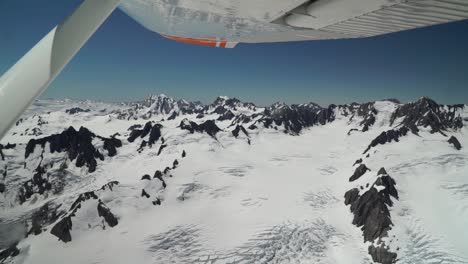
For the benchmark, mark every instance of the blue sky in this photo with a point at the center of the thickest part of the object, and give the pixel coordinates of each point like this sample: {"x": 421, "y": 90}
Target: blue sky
{"x": 124, "y": 61}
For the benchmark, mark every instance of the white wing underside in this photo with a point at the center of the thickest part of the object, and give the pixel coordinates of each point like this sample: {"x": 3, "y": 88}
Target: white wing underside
{"x": 376, "y": 17}
{"x": 280, "y": 20}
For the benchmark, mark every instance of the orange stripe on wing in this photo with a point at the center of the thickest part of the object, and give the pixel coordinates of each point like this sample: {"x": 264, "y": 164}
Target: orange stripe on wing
{"x": 210, "y": 42}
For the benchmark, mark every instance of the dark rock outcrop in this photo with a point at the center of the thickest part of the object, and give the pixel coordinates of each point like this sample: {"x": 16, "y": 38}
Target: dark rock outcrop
{"x": 360, "y": 170}
{"x": 220, "y": 110}
{"x": 154, "y": 132}
{"x": 76, "y": 110}
{"x": 175, "y": 164}
{"x": 296, "y": 117}
{"x": 82, "y": 198}
{"x": 454, "y": 141}
{"x": 382, "y": 171}
{"x": 77, "y": 144}
{"x": 7, "y": 146}
{"x": 146, "y": 177}
{"x": 359, "y": 161}
{"x": 427, "y": 113}
{"x": 110, "y": 185}
{"x": 133, "y": 127}
{"x": 105, "y": 212}
{"x": 368, "y": 121}
{"x": 143, "y": 144}
{"x": 173, "y": 116}
{"x": 144, "y": 194}
{"x": 208, "y": 127}
{"x": 11, "y": 251}
{"x": 367, "y": 111}
{"x": 19, "y": 121}
{"x": 183, "y": 154}
{"x": 62, "y": 229}
{"x": 157, "y": 105}
{"x": 161, "y": 149}
{"x": 140, "y": 132}
{"x": 228, "y": 115}
{"x": 352, "y": 130}
{"x": 244, "y": 118}
{"x": 372, "y": 214}
{"x": 38, "y": 184}
{"x": 4, "y": 171}
{"x": 158, "y": 174}
{"x": 389, "y": 184}
{"x": 45, "y": 216}
{"x": 387, "y": 137}
{"x": 224, "y": 103}
{"x": 111, "y": 145}
{"x": 370, "y": 210}
{"x": 382, "y": 255}
{"x": 238, "y": 129}
{"x": 351, "y": 196}
{"x": 186, "y": 124}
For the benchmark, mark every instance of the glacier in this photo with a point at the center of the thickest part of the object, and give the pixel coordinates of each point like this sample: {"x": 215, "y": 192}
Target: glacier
{"x": 232, "y": 182}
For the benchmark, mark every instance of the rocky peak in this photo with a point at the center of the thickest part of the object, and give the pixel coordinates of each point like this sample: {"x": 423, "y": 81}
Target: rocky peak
{"x": 187, "y": 107}
{"x": 296, "y": 117}
{"x": 224, "y": 100}
{"x": 277, "y": 108}
{"x": 208, "y": 127}
{"x": 154, "y": 132}
{"x": 224, "y": 103}
{"x": 76, "y": 110}
{"x": 427, "y": 102}
{"x": 427, "y": 113}
{"x": 160, "y": 104}
{"x": 308, "y": 106}
{"x": 365, "y": 111}
{"x": 77, "y": 144}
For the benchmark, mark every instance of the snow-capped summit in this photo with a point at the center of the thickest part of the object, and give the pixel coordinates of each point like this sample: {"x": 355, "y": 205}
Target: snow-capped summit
{"x": 310, "y": 105}
{"x": 223, "y": 104}
{"x": 221, "y": 100}
{"x": 160, "y": 104}
{"x": 277, "y": 106}
{"x": 427, "y": 113}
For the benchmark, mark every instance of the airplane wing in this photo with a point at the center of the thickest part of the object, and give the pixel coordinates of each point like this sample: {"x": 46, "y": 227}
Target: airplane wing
{"x": 256, "y": 21}
{"x": 217, "y": 23}
{"x": 357, "y": 18}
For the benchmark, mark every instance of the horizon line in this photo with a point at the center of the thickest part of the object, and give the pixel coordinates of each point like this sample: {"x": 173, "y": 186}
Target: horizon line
{"x": 394, "y": 100}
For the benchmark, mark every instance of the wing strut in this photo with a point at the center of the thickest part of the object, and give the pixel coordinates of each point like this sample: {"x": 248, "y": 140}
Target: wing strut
{"x": 33, "y": 73}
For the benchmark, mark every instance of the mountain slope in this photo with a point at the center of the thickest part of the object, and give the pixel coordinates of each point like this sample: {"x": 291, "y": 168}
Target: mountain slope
{"x": 263, "y": 185}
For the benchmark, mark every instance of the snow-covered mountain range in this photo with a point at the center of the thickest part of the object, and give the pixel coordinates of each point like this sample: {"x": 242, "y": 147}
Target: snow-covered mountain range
{"x": 172, "y": 181}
